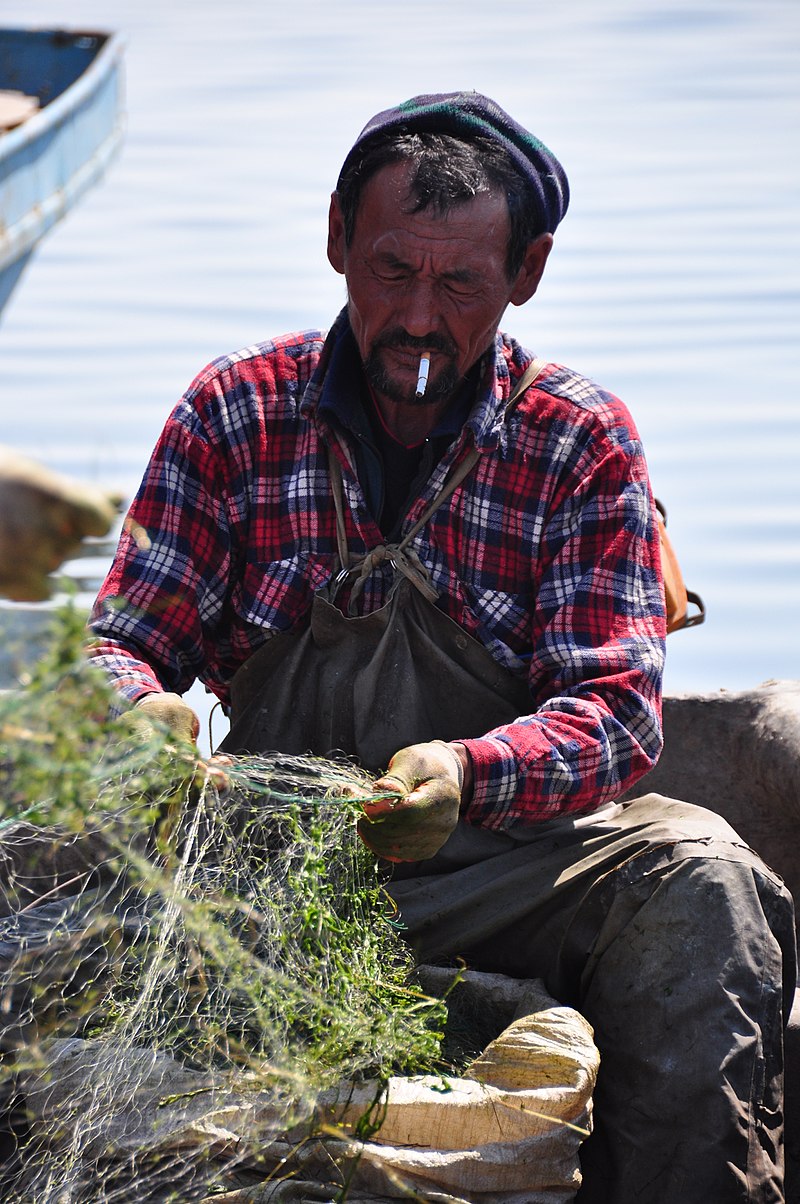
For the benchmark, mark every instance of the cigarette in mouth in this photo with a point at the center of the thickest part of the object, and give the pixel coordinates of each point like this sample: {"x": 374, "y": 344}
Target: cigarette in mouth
{"x": 422, "y": 378}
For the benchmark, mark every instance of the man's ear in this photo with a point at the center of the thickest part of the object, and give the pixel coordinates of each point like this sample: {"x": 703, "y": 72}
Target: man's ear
{"x": 530, "y": 273}
{"x": 336, "y": 240}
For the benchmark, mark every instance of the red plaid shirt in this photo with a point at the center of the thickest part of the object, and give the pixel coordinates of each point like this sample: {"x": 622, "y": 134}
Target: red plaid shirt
{"x": 547, "y": 554}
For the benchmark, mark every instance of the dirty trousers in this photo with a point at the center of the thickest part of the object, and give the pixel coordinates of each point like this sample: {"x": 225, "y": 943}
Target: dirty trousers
{"x": 677, "y": 943}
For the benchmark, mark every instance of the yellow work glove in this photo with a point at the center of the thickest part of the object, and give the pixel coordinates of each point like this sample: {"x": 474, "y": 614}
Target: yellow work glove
{"x": 423, "y": 784}
{"x": 170, "y": 711}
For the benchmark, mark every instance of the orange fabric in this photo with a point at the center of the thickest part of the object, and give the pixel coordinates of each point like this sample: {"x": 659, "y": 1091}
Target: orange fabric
{"x": 674, "y": 588}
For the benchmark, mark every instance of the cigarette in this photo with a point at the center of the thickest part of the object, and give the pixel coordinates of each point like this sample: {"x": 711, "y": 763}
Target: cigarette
{"x": 422, "y": 378}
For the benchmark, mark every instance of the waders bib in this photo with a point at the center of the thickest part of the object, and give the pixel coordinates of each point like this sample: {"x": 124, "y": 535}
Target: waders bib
{"x": 368, "y": 685}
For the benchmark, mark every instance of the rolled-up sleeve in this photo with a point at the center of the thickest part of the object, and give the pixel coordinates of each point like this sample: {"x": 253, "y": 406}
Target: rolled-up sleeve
{"x": 155, "y": 618}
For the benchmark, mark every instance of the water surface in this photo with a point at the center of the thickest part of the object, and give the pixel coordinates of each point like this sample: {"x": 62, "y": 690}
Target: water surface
{"x": 674, "y": 280}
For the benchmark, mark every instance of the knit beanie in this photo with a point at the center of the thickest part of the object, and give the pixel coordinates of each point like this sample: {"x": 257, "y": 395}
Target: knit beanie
{"x": 469, "y": 113}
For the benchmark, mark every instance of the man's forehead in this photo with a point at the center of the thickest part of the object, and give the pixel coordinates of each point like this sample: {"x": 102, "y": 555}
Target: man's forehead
{"x": 462, "y": 244}
{"x": 389, "y": 216}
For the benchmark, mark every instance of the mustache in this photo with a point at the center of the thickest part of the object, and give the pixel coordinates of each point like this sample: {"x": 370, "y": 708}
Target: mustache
{"x": 402, "y": 340}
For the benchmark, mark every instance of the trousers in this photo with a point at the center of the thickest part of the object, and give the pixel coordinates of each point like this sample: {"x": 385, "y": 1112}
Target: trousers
{"x": 677, "y": 943}
{"x": 652, "y": 918}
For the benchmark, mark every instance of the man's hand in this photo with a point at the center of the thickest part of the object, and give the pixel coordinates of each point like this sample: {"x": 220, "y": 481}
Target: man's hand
{"x": 423, "y": 784}
{"x": 169, "y": 710}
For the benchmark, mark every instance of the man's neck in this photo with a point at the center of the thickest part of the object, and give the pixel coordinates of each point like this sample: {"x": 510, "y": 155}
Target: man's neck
{"x": 409, "y": 424}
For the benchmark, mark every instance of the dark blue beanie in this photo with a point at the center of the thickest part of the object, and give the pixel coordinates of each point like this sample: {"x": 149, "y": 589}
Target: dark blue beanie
{"x": 468, "y": 113}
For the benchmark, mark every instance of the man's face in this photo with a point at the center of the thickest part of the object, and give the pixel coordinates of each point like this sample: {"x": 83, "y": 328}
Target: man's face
{"x": 417, "y": 282}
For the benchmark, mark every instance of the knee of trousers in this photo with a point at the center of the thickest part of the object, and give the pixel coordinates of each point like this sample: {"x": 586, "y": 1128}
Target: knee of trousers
{"x": 706, "y": 909}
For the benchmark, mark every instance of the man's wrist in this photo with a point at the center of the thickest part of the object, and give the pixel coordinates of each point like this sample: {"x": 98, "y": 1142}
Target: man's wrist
{"x": 469, "y": 775}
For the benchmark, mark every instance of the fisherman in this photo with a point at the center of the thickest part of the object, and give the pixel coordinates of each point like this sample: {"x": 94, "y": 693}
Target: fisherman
{"x": 411, "y": 540}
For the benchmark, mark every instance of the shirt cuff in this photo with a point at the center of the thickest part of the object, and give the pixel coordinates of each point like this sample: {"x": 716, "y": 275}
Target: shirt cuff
{"x": 495, "y": 783}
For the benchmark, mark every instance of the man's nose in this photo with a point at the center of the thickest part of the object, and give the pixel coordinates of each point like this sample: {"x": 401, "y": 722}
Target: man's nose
{"x": 421, "y": 310}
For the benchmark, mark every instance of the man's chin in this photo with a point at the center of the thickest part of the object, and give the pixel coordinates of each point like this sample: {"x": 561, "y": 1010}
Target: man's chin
{"x": 404, "y": 392}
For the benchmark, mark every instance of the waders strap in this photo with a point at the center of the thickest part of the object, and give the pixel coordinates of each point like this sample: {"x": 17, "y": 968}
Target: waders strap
{"x": 337, "y": 489}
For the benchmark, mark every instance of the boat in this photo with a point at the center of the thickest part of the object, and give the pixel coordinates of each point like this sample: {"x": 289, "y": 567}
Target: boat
{"x": 61, "y": 122}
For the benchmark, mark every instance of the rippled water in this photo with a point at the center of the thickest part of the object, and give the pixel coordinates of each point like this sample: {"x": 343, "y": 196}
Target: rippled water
{"x": 674, "y": 280}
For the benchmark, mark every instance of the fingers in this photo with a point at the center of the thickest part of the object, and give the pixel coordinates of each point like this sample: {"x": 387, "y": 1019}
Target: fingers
{"x": 45, "y": 517}
{"x": 412, "y": 830}
{"x": 213, "y": 772}
{"x": 419, "y": 763}
{"x": 420, "y": 810}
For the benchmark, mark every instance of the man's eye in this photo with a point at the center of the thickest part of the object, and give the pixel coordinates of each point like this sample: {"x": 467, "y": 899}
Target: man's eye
{"x": 462, "y": 288}
{"x": 391, "y": 275}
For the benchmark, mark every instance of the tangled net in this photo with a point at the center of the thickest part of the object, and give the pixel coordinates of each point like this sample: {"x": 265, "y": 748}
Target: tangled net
{"x": 185, "y": 973}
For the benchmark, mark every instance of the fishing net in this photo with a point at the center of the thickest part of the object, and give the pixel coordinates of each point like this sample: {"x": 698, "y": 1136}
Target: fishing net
{"x": 188, "y": 966}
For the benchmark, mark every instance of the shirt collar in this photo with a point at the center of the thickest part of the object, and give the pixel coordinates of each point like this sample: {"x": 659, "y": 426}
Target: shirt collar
{"x": 337, "y": 389}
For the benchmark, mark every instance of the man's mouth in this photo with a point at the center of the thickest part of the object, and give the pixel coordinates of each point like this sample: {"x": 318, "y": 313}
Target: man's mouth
{"x": 408, "y": 359}
{"x": 393, "y": 368}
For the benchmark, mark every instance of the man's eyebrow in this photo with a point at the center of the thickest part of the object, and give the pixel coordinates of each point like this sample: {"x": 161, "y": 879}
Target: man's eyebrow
{"x": 393, "y": 261}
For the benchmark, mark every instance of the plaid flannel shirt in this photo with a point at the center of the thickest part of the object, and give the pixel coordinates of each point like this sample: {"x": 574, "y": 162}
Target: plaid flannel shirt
{"x": 547, "y": 554}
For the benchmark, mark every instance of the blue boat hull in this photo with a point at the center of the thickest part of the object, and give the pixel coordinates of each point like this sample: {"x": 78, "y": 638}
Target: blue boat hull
{"x": 52, "y": 158}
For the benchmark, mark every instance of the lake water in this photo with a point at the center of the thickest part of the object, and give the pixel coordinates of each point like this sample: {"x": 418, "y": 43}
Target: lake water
{"x": 675, "y": 279}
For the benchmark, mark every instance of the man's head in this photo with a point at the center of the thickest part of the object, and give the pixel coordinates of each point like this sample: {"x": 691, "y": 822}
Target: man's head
{"x": 461, "y": 143}
{"x": 443, "y": 215}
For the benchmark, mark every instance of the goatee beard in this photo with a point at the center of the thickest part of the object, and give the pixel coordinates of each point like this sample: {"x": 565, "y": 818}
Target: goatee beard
{"x": 440, "y": 387}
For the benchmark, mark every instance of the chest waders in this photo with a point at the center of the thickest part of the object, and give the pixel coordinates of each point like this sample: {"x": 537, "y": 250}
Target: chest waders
{"x": 652, "y": 918}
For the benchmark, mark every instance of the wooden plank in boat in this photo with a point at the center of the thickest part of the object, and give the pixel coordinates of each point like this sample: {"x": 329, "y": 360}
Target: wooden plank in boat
{"x": 16, "y": 107}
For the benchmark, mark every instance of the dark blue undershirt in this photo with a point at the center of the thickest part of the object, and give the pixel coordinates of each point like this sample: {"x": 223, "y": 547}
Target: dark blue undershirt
{"x": 391, "y": 474}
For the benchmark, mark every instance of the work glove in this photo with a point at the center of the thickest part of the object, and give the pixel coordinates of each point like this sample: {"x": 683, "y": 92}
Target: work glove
{"x": 170, "y": 711}
{"x": 420, "y": 810}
